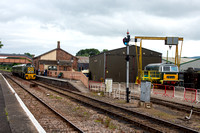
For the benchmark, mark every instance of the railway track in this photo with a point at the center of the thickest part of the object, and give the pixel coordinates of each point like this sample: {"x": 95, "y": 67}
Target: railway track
{"x": 144, "y": 121}
{"x": 70, "y": 126}
{"x": 175, "y": 105}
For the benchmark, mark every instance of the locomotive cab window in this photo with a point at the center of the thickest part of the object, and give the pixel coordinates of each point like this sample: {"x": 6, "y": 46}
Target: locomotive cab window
{"x": 174, "y": 68}
{"x": 167, "y": 68}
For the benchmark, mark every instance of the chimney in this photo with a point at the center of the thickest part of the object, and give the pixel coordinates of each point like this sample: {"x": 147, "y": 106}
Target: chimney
{"x": 58, "y": 45}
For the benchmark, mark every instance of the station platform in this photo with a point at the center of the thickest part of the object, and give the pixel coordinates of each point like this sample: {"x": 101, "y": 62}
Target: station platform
{"x": 74, "y": 83}
{"x": 13, "y": 116}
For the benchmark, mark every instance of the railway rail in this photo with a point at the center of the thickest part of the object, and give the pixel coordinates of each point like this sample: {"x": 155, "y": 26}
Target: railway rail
{"x": 144, "y": 121}
{"x": 71, "y": 127}
{"x": 177, "y": 106}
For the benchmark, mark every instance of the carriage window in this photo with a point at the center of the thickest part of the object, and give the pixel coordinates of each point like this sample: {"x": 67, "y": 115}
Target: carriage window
{"x": 152, "y": 68}
{"x": 166, "y": 68}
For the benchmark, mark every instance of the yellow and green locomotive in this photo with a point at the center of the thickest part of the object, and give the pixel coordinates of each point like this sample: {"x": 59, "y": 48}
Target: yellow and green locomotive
{"x": 26, "y": 71}
{"x": 161, "y": 73}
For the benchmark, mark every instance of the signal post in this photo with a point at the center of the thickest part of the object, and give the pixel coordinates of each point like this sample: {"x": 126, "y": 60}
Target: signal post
{"x": 126, "y": 41}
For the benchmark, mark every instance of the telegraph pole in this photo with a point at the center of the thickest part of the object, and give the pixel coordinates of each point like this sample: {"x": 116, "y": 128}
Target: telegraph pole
{"x": 126, "y": 42}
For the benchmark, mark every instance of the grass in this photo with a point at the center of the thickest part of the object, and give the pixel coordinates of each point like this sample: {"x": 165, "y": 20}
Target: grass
{"x": 56, "y": 97}
{"x": 86, "y": 114}
{"x": 99, "y": 120}
{"x": 77, "y": 108}
{"x": 51, "y": 96}
{"x": 164, "y": 115}
{"x": 121, "y": 101}
{"x": 79, "y": 111}
{"x": 107, "y": 122}
{"x": 112, "y": 126}
{"x": 6, "y": 114}
{"x": 5, "y": 70}
{"x": 99, "y": 94}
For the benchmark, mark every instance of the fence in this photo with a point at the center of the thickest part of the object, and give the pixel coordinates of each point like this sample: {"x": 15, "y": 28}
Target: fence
{"x": 190, "y": 94}
{"x": 198, "y": 96}
{"x": 119, "y": 91}
{"x": 164, "y": 90}
{"x": 96, "y": 86}
{"x": 70, "y": 75}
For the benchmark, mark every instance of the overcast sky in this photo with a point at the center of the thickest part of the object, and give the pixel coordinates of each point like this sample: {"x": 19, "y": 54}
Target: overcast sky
{"x": 35, "y": 26}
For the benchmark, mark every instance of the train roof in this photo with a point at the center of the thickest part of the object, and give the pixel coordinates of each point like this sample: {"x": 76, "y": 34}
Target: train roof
{"x": 161, "y": 64}
{"x": 24, "y": 65}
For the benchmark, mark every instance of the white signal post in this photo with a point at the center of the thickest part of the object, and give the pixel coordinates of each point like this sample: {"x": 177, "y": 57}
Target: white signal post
{"x": 126, "y": 42}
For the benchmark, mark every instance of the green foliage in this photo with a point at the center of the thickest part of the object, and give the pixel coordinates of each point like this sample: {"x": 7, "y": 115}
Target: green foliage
{"x": 1, "y": 45}
{"x": 88, "y": 52}
{"x": 15, "y": 64}
{"x": 106, "y": 122}
{"x": 28, "y": 54}
{"x": 104, "y": 50}
{"x": 6, "y": 67}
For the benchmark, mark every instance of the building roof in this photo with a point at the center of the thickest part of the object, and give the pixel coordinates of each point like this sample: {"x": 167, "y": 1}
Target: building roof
{"x": 138, "y": 47}
{"x": 183, "y": 60}
{"x": 58, "y": 47}
{"x": 15, "y": 55}
{"x": 83, "y": 59}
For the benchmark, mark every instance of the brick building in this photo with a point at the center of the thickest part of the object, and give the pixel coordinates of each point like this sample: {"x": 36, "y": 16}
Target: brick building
{"x": 56, "y": 59}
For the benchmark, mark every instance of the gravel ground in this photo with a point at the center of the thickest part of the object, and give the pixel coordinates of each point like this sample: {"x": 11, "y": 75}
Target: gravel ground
{"x": 93, "y": 121}
{"x": 87, "y": 119}
{"x": 157, "y": 111}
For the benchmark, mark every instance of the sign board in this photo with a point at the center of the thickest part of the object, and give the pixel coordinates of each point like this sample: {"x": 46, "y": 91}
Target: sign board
{"x": 108, "y": 83}
{"x": 171, "y": 41}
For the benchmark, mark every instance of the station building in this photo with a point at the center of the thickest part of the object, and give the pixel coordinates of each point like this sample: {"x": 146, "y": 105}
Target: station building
{"x": 112, "y": 64}
{"x": 56, "y": 59}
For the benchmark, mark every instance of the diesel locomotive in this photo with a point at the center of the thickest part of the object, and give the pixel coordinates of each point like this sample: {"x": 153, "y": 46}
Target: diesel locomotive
{"x": 161, "y": 73}
{"x": 26, "y": 71}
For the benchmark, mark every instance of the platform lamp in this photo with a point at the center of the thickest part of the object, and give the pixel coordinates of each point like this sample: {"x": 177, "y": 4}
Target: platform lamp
{"x": 72, "y": 60}
{"x": 58, "y": 62}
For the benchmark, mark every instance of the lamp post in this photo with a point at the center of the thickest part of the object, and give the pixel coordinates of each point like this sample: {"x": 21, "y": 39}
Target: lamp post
{"x": 58, "y": 65}
{"x": 72, "y": 63}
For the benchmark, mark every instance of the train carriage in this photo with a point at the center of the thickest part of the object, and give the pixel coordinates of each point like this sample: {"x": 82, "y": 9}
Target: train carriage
{"x": 26, "y": 71}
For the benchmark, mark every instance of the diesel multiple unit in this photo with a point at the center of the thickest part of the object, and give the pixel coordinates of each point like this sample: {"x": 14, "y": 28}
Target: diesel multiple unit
{"x": 26, "y": 71}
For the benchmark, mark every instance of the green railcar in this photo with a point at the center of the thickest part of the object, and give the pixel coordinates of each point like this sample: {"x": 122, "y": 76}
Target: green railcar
{"x": 26, "y": 71}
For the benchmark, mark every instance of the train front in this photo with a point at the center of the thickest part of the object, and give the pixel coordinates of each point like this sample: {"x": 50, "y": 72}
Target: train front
{"x": 30, "y": 73}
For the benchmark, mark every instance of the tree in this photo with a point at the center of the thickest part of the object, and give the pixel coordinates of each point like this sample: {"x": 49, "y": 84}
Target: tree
{"x": 28, "y": 54}
{"x": 104, "y": 50}
{"x": 88, "y": 52}
{"x": 1, "y": 45}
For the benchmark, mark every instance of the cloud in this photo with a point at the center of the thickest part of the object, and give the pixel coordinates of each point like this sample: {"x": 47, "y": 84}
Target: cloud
{"x": 100, "y": 23}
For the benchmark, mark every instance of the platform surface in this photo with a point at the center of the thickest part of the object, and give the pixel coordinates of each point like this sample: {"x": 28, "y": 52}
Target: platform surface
{"x": 13, "y": 119}
{"x": 77, "y": 84}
